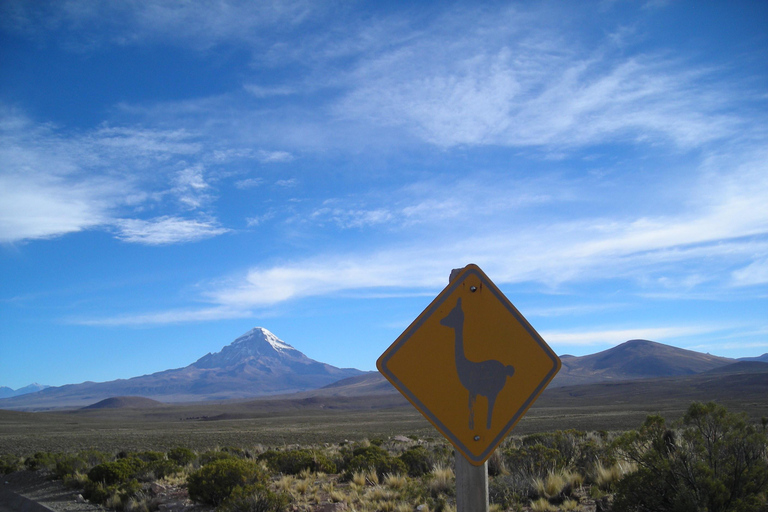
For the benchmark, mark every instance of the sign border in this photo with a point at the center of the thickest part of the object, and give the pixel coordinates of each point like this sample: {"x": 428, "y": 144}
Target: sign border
{"x": 381, "y": 364}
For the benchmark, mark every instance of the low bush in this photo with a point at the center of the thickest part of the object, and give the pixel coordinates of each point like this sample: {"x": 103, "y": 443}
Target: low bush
{"x": 41, "y": 460}
{"x": 9, "y": 463}
{"x": 418, "y": 461}
{"x": 68, "y": 465}
{"x": 293, "y": 462}
{"x": 159, "y": 469}
{"x": 535, "y": 460}
{"x": 255, "y": 498}
{"x": 508, "y": 490}
{"x": 376, "y": 459}
{"x": 114, "y": 495}
{"x": 214, "y": 455}
{"x": 117, "y": 472}
{"x": 712, "y": 460}
{"x": 181, "y": 456}
{"x": 216, "y": 481}
{"x": 149, "y": 456}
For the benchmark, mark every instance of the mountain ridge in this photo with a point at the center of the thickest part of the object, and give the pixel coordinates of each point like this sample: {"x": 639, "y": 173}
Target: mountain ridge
{"x": 631, "y": 360}
{"x": 258, "y": 357}
{"x": 256, "y": 364}
{"x": 6, "y": 392}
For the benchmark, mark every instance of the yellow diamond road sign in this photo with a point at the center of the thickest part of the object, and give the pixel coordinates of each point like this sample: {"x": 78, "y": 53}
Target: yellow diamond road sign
{"x": 471, "y": 364}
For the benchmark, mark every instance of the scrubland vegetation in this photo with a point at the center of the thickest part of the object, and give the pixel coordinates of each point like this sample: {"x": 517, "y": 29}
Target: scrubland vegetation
{"x": 710, "y": 459}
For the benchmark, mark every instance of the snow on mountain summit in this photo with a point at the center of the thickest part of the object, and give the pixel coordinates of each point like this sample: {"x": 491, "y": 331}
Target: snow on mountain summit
{"x": 256, "y": 345}
{"x": 258, "y": 334}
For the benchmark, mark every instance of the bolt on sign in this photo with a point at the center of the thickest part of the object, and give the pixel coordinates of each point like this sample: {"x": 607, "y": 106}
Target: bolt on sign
{"x": 471, "y": 364}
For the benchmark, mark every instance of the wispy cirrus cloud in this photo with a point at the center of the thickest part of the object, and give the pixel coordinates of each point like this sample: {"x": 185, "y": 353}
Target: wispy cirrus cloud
{"x": 35, "y": 207}
{"x": 517, "y": 95}
{"x": 756, "y": 273}
{"x": 199, "y": 24}
{"x": 165, "y": 317}
{"x": 53, "y": 183}
{"x": 166, "y": 230}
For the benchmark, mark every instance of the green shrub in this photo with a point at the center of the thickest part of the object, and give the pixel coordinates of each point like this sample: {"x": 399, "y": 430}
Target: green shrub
{"x": 293, "y": 462}
{"x": 240, "y": 453}
{"x": 716, "y": 462}
{"x": 117, "y": 472}
{"x": 40, "y": 460}
{"x": 98, "y": 492}
{"x": 508, "y": 490}
{"x": 255, "y": 498}
{"x": 213, "y": 455}
{"x": 181, "y": 456}
{"x": 149, "y": 456}
{"x": 111, "y": 495}
{"x": 67, "y": 465}
{"x": 159, "y": 469}
{"x": 374, "y": 458}
{"x": 9, "y": 463}
{"x": 535, "y": 460}
{"x": 215, "y": 482}
{"x": 94, "y": 457}
{"x": 418, "y": 461}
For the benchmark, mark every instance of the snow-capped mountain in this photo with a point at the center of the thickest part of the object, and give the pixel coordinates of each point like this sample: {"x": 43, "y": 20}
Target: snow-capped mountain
{"x": 6, "y": 392}
{"x": 255, "y": 364}
{"x": 255, "y": 345}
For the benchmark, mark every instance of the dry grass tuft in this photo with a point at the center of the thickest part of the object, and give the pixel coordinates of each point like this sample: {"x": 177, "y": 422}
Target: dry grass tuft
{"x": 358, "y": 478}
{"x": 542, "y": 505}
{"x": 441, "y": 479}
{"x": 552, "y": 485}
{"x": 395, "y": 481}
{"x": 606, "y": 477}
{"x": 285, "y": 483}
{"x": 371, "y": 477}
{"x": 569, "y": 505}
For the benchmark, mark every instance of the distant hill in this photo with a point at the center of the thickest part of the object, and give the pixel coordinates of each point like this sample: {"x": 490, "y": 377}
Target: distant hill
{"x": 741, "y": 367}
{"x": 125, "y": 402}
{"x": 743, "y": 381}
{"x": 6, "y": 392}
{"x": 635, "y": 359}
{"x": 763, "y": 358}
{"x": 257, "y": 363}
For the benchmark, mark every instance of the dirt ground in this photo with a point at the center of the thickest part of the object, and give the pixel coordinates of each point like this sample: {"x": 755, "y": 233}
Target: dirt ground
{"x": 40, "y": 487}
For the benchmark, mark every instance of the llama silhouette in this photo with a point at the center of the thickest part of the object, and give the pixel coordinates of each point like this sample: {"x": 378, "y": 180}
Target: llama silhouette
{"x": 485, "y": 378}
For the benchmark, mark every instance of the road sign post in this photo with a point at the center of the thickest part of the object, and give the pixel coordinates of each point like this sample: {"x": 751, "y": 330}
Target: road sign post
{"x": 472, "y": 365}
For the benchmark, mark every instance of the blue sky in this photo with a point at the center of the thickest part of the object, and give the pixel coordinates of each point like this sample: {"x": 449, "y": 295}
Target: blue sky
{"x": 173, "y": 174}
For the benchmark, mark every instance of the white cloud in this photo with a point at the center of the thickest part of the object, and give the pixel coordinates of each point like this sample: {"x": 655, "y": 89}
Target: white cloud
{"x": 259, "y": 219}
{"x": 166, "y": 230}
{"x": 513, "y": 98}
{"x": 753, "y": 274}
{"x": 274, "y": 156}
{"x": 167, "y": 317}
{"x": 33, "y": 206}
{"x": 547, "y": 253}
{"x": 267, "y": 92}
{"x": 201, "y": 25}
{"x": 52, "y": 184}
{"x": 249, "y": 183}
{"x": 523, "y": 79}
{"x": 352, "y": 218}
{"x": 190, "y": 186}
